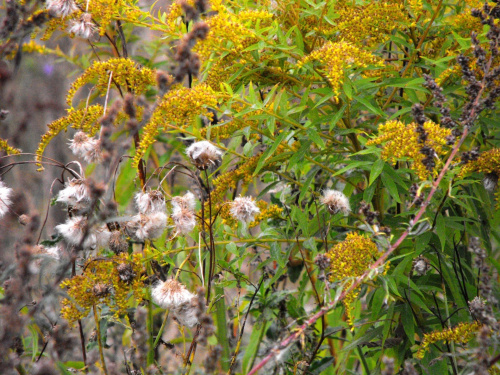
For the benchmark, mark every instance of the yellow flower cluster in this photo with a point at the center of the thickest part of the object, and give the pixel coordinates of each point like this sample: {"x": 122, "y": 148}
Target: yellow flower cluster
{"x": 267, "y": 211}
{"x": 351, "y": 258}
{"x": 173, "y": 16}
{"x": 336, "y": 57}
{"x": 369, "y": 24}
{"x": 461, "y": 333}
{"x": 228, "y": 180}
{"x": 221, "y": 70}
{"x": 179, "y": 106}
{"x": 126, "y": 74}
{"x": 104, "y": 12}
{"x": 4, "y": 146}
{"x": 85, "y": 119}
{"x": 225, "y": 26}
{"x": 101, "y": 283}
{"x": 487, "y": 162}
{"x": 52, "y": 25}
{"x": 401, "y": 141}
{"x": 464, "y": 22}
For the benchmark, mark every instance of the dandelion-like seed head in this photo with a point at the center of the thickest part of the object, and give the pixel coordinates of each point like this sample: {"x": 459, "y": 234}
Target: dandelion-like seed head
{"x": 186, "y": 202}
{"x": 87, "y": 148}
{"x": 62, "y": 8}
{"x": 421, "y": 265}
{"x": 244, "y": 209}
{"x": 171, "y": 294}
{"x": 204, "y": 155}
{"x": 490, "y": 181}
{"x": 150, "y": 202}
{"x": 335, "y": 202}
{"x": 76, "y": 232}
{"x": 184, "y": 220}
{"x": 5, "y": 198}
{"x": 148, "y": 226}
{"x": 84, "y": 27}
{"x": 75, "y": 194}
{"x": 187, "y": 314}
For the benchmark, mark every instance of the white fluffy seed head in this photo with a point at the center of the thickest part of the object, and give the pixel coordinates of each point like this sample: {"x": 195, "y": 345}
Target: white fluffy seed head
{"x": 174, "y": 296}
{"x": 148, "y": 226}
{"x": 171, "y": 294}
{"x": 5, "y": 199}
{"x": 335, "y": 202}
{"x": 184, "y": 220}
{"x": 87, "y": 148}
{"x": 204, "y": 155}
{"x": 187, "y": 314}
{"x": 149, "y": 202}
{"x": 244, "y": 209}
{"x": 186, "y": 202}
{"x": 75, "y": 194}
{"x": 83, "y": 28}
{"x": 76, "y": 232}
{"x": 62, "y": 8}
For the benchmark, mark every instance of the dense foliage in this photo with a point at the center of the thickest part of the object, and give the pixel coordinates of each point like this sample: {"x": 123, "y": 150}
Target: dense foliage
{"x": 282, "y": 187}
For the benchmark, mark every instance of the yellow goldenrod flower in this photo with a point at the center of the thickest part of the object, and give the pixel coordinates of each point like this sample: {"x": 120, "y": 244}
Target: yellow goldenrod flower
{"x": 110, "y": 281}
{"x": 336, "y": 57}
{"x": 401, "y": 141}
{"x": 125, "y": 72}
{"x": 351, "y": 258}
{"x": 461, "y": 333}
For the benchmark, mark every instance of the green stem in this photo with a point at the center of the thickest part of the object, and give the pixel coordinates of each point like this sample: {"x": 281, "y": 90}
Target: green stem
{"x": 220, "y": 313}
{"x": 99, "y": 340}
{"x": 149, "y": 323}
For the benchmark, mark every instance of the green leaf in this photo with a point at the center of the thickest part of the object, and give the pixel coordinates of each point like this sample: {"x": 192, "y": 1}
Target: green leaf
{"x": 441, "y": 230}
{"x": 391, "y": 187}
{"x": 269, "y": 152}
{"x": 318, "y": 366}
{"x": 315, "y": 137}
{"x": 275, "y": 249}
{"x": 377, "y": 168}
{"x": 375, "y": 109}
{"x": 407, "y": 321}
{"x": 337, "y": 116}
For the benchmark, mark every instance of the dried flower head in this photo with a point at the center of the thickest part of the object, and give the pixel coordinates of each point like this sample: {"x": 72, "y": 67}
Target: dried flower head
{"x": 490, "y": 181}
{"x": 76, "y": 232}
{"x": 421, "y": 265}
{"x": 62, "y": 8}
{"x": 184, "y": 220}
{"x": 87, "y": 148}
{"x": 75, "y": 194}
{"x": 335, "y": 202}
{"x": 150, "y": 202}
{"x": 244, "y": 209}
{"x": 148, "y": 226}
{"x": 203, "y": 154}
{"x": 117, "y": 242}
{"x": 322, "y": 261}
{"x": 174, "y": 296}
{"x": 5, "y": 194}
{"x": 101, "y": 290}
{"x": 84, "y": 27}
{"x": 186, "y": 202}
{"x": 126, "y": 272}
